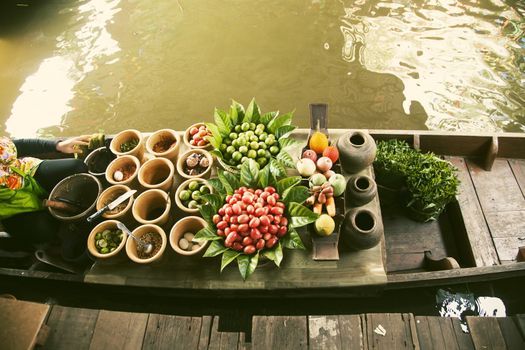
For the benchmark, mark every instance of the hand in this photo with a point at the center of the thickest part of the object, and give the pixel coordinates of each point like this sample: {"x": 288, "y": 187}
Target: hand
{"x": 73, "y": 145}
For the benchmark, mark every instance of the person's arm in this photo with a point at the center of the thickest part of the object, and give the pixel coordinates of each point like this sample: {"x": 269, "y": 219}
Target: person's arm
{"x": 28, "y": 147}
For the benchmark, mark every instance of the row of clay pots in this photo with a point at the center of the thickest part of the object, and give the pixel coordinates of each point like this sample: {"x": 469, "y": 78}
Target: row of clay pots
{"x": 187, "y": 224}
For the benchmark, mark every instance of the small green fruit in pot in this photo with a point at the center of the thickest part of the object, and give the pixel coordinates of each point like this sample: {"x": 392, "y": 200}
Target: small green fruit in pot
{"x": 193, "y": 185}
{"x": 324, "y": 225}
{"x": 317, "y": 180}
{"x": 338, "y": 183}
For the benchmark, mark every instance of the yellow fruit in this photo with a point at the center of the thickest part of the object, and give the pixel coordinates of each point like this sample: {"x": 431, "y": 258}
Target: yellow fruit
{"x": 324, "y": 225}
{"x": 318, "y": 142}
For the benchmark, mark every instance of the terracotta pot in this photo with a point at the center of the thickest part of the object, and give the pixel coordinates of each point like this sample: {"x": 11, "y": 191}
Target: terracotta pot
{"x": 81, "y": 189}
{"x": 157, "y": 173}
{"x": 129, "y": 163}
{"x": 360, "y": 190}
{"x": 361, "y": 229}
{"x": 186, "y": 138}
{"x": 190, "y": 224}
{"x": 98, "y": 160}
{"x": 183, "y": 186}
{"x": 181, "y": 164}
{"x": 111, "y": 193}
{"x": 158, "y": 143}
{"x": 131, "y": 244}
{"x": 125, "y": 136}
{"x": 104, "y": 225}
{"x": 152, "y": 207}
{"x": 357, "y": 150}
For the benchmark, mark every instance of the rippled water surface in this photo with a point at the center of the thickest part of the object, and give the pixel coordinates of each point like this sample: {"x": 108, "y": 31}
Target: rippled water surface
{"x": 70, "y": 67}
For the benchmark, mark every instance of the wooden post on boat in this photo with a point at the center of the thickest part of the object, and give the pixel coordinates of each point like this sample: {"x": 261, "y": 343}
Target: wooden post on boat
{"x": 521, "y": 254}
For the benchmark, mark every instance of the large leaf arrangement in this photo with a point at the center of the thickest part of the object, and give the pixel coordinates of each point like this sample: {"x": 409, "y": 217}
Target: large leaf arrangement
{"x": 271, "y": 144}
{"x": 251, "y": 176}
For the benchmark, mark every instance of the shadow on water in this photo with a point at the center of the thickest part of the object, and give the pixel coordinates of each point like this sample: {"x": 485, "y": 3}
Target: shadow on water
{"x": 15, "y": 15}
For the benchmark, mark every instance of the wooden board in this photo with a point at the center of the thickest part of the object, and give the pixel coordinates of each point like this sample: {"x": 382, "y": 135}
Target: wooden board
{"x": 463, "y": 339}
{"x": 485, "y": 332}
{"x": 279, "y": 332}
{"x": 222, "y": 340}
{"x": 518, "y": 169}
{"x": 204, "y": 338}
{"x": 70, "y": 328}
{"x": 20, "y": 322}
{"x": 119, "y": 330}
{"x": 436, "y": 333}
{"x": 163, "y": 331}
{"x": 335, "y": 332}
{"x": 511, "y": 333}
{"x": 400, "y": 331}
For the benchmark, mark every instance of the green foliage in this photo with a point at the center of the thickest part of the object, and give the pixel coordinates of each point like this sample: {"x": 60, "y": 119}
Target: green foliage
{"x": 432, "y": 182}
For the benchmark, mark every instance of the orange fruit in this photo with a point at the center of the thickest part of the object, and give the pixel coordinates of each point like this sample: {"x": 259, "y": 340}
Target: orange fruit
{"x": 318, "y": 142}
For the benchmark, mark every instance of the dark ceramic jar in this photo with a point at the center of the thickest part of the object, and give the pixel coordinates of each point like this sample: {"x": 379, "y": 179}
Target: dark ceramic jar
{"x": 360, "y": 190}
{"x": 361, "y": 229}
{"x": 357, "y": 150}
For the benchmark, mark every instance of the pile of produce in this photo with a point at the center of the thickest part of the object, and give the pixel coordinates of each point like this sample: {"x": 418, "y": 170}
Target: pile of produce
{"x": 239, "y": 135}
{"x": 192, "y": 196}
{"x": 108, "y": 240}
{"x": 196, "y": 164}
{"x": 198, "y": 136}
{"x": 252, "y": 215}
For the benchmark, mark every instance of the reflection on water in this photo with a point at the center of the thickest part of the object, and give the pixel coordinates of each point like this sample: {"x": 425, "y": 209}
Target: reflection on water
{"x": 84, "y": 66}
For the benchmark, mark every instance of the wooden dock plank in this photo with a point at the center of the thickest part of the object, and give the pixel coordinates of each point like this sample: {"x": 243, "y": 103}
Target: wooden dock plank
{"x": 279, "y": 332}
{"x": 520, "y": 322}
{"x": 511, "y": 333}
{"x": 351, "y": 332}
{"x": 70, "y": 328}
{"x": 463, "y": 339}
{"x": 163, "y": 331}
{"x": 119, "y": 330}
{"x": 485, "y": 333}
{"x": 324, "y": 332}
{"x": 205, "y": 332}
{"x": 20, "y": 323}
{"x": 518, "y": 168}
{"x": 222, "y": 340}
{"x": 399, "y": 334}
{"x": 472, "y": 218}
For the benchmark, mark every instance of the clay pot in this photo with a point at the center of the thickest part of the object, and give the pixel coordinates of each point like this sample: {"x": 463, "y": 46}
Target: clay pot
{"x": 184, "y": 186}
{"x": 361, "y": 229}
{"x": 357, "y": 150}
{"x": 164, "y": 143}
{"x": 152, "y": 207}
{"x": 111, "y": 193}
{"x": 131, "y": 244}
{"x": 125, "y": 136}
{"x": 98, "y": 160}
{"x": 129, "y": 165}
{"x": 360, "y": 189}
{"x": 181, "y": 164}
{"x": 104, "y": 225}
{"x": 186, "y": 138}
{"x": 191, "y": 224}
{"x": 80, "y": 190}
{"x": 157, "y": 173}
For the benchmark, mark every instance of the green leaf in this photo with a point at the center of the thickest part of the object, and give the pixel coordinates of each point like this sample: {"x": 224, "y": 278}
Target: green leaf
{"x": 207, "y": 212}
{"x": 300, "y": 215}
{"x": 267, "y": 117}
{"x": 228, "y": 256}
{"x": 284, "y": 131}
{"x": 285, "y": 119}
{"x": 277, "y": 168}
{"x": 296, "y": 194}
{"x": 286, "y": 183}
{"x": 286, "y": 159}
{"x": 213, "y": 141}
{"x": 292, "y": 240}
{"x": 287, "y": 144}
{"x": 223, "y": 122}
{"x": 214, "y": 200}
{"x": 240, "y": 111}
{"x": 206, "y": 234}
{"x": 249, "y": 173}
{"x": 275, "y": 254}
{"x": 224, "y": 181}
{"x": 264, "y": 177}
{"x": 253, "y": 113}
{"x": 216, "y": 152}
{"x": 216, "y": 140}
{"x": 244, "y": 264}
{"x": 215, "y": 248}
{"x": 217, "y": 186}
{"x": 232, "y": 179}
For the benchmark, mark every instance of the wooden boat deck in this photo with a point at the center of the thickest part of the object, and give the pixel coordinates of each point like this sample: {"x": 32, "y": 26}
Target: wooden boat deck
{"x": 67, "y": 328}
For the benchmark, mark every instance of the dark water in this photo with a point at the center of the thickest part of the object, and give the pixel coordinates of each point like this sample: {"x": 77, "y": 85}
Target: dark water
{"x": 71, "y": 67}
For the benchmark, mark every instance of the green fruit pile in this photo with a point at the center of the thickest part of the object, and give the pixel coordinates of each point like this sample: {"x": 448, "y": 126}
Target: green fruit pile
{"x": 191, "y": 197}
{"x": 249, "y": 141}
{"x": 108, "y": 240}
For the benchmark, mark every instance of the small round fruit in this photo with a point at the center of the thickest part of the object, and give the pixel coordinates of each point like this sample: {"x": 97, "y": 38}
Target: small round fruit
{"x": 318, "y": 142}
{"x": 324, "y": 225}
{"x": 331, "y": 152}
{"x": 317, "y": 180}
{"x": 324, "y": 164}
{"x": 184, "y": 195}
{"x": 193, "y": 185}
{"x": 310, "y": 154}
{"x": 306, "y": 167}
{"x": 274, "y": 150}
{"x": 338, "y": 183}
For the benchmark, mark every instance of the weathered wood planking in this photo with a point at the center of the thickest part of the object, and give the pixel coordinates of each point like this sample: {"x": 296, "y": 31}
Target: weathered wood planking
{"x": 485, "y": 333}
{"x": 463, "y": 339}
{"x": 71, "y": 328}
{"x": 279, "y": 332}
{"x": 20, "y": 322}
{"x": 436, "y": 333}
{"x": 119, "y": 330}
{"x": 400, "y": 331}
{"x": 163, "y": 331}
{"x": 205, "y": 333}
{"x": 518, "y": 168}
{"x": 222, "y": 340}
{"x": 471, "y": 218}
{"x": 511, "y": 333}
{"x": 335, "y": 332}
{"x": 520, "y": 322}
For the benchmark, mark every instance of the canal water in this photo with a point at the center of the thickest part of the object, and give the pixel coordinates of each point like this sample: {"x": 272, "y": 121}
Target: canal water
{"x": 70, "y": 67}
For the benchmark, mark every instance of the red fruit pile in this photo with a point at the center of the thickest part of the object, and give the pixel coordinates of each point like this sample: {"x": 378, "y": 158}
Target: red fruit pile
{"x": 251, "y": 219}
{"x": 198, "y": 134}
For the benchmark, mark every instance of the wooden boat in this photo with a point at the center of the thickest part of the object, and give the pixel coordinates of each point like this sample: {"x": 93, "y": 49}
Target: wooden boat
{"x": 480, "y": 237}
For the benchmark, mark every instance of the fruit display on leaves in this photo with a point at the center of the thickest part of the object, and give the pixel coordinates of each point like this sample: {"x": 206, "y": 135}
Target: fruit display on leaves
{"x": 239, "y": 135}
{"x": 253, "y": 215}
{"x": 198, "y": 136}
{"x": 321, "y": 154}
{"x": 322, "y": 192}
